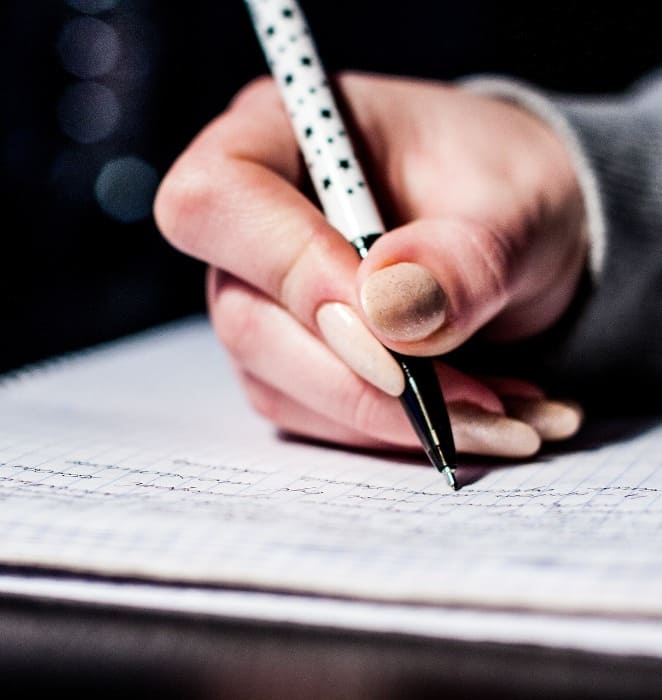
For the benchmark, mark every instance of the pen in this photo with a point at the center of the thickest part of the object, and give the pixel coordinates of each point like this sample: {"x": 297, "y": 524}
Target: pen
{"x": 343, "y": 191}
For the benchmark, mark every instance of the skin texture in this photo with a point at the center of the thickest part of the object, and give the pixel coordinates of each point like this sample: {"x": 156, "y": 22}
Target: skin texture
{"x": 489, "y": 212}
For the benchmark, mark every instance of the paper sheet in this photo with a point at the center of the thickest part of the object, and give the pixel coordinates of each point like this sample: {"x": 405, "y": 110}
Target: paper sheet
{"x": 142, "y": 460}
{"x": 601, "y": 635}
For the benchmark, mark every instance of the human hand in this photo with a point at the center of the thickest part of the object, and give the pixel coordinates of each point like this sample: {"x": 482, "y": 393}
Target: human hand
{"x": 491, "y": 238}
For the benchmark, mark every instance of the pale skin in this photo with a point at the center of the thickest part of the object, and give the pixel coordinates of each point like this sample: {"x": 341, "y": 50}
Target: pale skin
{"x": 491, "y": 216}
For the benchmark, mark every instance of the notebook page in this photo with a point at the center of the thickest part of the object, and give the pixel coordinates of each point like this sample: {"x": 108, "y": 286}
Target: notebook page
{"x": 596, "y": 634}
{"x": 142, "y": 460}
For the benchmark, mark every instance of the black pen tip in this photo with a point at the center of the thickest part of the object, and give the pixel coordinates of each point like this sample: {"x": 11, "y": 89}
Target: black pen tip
{"x": 442, "y": 464}
{"x": 449, "y": 473}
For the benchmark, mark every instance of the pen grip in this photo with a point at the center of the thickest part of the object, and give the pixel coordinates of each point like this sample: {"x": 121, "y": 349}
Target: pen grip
{"x": 422, "y": 398}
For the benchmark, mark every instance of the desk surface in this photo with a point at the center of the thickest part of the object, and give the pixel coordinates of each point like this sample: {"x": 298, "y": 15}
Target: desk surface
{"x": 89, "y": 651}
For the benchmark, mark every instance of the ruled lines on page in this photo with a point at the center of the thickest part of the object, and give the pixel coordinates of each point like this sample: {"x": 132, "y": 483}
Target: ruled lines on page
{"x": 124, "y": 472}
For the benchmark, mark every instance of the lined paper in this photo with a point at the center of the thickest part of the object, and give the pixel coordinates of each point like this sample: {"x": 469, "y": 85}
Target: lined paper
{"x": 142, "y": 460}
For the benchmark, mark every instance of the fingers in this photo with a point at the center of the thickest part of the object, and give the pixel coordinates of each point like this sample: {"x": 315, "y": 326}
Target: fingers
{"x": 241, "y": 307}
{"x": 483, "y": 433}
{"x": 299, "y": 384}
{"x": 476, "y": 431}
{"x": 428, "y": 286}
{"x": 232, "y": 200}
{"x": 268, "y": 343}
{"x": 291, "y": 416}
{"x": 509, "y": 386}
{"x": 552, "y": 420}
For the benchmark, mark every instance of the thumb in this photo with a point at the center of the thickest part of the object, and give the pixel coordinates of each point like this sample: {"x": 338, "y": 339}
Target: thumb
{"x": 428, "y": 286}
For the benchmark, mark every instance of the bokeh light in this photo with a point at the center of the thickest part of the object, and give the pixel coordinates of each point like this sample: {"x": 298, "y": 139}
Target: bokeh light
{"x": 88, "y": 112}
{"x": 88, "y": 47}
{"x": 125, "y": 189}
{"x": 139, "y": 39}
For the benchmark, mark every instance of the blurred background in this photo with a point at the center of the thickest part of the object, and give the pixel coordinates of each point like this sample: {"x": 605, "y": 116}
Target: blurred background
{"x": 99, "y": 97}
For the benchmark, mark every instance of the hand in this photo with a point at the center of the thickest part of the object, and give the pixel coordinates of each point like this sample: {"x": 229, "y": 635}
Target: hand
{"x": 491, "y": 238}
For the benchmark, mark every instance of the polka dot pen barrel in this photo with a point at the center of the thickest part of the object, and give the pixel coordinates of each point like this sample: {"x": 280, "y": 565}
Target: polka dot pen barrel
{"x": 343, "y": 191}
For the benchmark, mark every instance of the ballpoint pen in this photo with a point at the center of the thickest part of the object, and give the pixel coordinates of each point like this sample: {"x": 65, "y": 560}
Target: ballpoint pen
{"x": 343, "y": 191}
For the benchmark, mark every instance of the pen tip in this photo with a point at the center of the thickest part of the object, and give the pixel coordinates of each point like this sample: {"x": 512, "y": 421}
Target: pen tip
{"x": 444, "y": 466}
{"x": 449, "y": 473}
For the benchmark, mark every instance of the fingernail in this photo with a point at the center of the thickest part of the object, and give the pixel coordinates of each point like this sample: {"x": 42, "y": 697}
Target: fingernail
{"x": 480, "y": 432}
{"x": 552, "y": 420}
{"x": 404, "y": 302}
{"x": 348, "y": 337}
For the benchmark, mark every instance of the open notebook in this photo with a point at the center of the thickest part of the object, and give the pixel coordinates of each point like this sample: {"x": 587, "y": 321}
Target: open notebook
{"x": 139, "y": 469}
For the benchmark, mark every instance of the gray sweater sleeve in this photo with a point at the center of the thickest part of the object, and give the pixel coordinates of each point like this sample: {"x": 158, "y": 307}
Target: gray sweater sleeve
{"x": 608, "y": 348}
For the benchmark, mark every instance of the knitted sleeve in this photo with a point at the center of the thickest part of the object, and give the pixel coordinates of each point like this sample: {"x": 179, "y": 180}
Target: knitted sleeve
{"x": 609, "y": 346}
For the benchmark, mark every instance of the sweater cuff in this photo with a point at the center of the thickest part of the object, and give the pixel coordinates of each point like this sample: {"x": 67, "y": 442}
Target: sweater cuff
{"x": 542, "y": 107}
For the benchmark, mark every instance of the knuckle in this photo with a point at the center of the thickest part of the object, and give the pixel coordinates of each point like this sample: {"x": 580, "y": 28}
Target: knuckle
{"x": 350, "y": 78}
{"x": 257, "y": 91}
{"x": 357, "y": 83}
{"x": 495, "y": 255}
{"x": 183, "y": 197}
{"x": 310, "y": 256}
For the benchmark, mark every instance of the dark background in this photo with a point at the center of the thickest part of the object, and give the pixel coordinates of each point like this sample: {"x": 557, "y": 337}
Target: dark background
{"x": 74, "y": 272}
{"x": 87, "y": 82}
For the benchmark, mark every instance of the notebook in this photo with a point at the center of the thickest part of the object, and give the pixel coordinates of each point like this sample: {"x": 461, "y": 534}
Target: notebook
{"x": 135, "y": 474}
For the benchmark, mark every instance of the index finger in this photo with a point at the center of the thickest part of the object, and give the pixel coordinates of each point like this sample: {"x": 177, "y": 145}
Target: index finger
{"x": 232, "y": 200}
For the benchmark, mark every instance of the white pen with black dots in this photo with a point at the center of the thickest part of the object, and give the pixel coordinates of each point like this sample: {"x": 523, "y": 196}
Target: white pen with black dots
{"x": 343, "y": 191}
